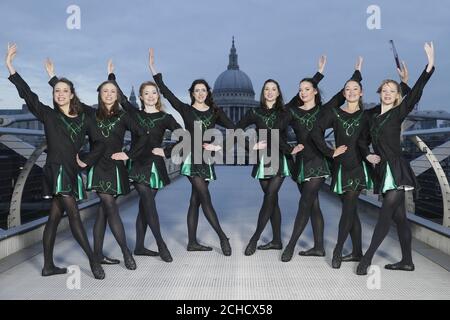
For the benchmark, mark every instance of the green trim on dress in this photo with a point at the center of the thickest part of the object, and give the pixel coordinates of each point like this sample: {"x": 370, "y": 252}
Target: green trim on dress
{"x": 60, "y": 188}
{"x": 186, "y": 170}
{"x": 119, "y": 185}
{"x": 388, "y": 181}
{"x": 260, "y": 173}
{"x": 369, "y": 181}
{"x": 338, "y": 185}
{"x": 155, "y": 179}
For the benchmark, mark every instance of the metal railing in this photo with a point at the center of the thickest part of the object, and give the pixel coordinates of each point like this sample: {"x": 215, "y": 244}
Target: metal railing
{"x": 429, "y": 155}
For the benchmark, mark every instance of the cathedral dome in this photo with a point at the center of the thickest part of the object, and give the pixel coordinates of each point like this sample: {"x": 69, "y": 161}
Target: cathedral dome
{"x": 233, "y": 85}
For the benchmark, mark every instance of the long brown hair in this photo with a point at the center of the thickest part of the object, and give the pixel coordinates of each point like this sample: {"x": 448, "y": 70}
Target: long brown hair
{"x": 279, "y": 103}
{"x": 318, "y": 96}
{"x": 209, "y": 101}
{"x": 75, "y": 104}
{"x": 360, "y": 101}
{"x": 398, "y": 99}
{"x": 158, "y": 105}
{"x": 102, "y": 111}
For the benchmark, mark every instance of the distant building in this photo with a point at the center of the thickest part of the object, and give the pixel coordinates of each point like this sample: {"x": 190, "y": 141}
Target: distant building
{"x": 233, "y": 89}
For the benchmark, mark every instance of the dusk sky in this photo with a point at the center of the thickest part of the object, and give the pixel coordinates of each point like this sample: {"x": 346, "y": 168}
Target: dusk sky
{"x": 274, "y": 39}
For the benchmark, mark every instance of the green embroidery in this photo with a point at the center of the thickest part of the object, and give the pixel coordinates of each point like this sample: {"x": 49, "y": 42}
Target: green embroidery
{"x": 107, "y": 125}
{"x": 375, "y": 130}
{"x": 268, "y": 120}
{"x": 68, "y": 189}
{"x": 307, "y": 120}
{"x": 105, "y": 186}
{"x": 205, "y": 120}
{"x": 148, "y": 122}
{"x": 201, "y": 171}
{"x": 73, "y": 128}
{"x": 264, "y": 173}
{"x": 352, "y": 184}
{"x": 350, "y": 124}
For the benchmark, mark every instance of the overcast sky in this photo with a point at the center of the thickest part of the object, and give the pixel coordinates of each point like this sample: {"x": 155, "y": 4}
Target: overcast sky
{"x": 274, "y": 39}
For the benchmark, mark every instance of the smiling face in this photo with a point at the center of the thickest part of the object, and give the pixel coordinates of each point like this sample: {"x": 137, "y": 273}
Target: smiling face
{"x": 108, "y": 94}
{"x": 307, "y": 92}
{"x": 352, "y": 91}
{"x": 389, "y": 93}
{"x": 62, "y": 94}
{"x": 200, "y": 93}
{"x": 149, "y": 95}
{"x": 271, "y": 92}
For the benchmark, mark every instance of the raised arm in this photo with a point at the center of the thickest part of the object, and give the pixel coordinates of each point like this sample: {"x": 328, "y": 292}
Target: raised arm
{"x": 338, "y": 99}
{"x": 124, "y": 102}
{"x": 176, "y": 103}
{"x": 36, "y": 107}
{"x": 414, "y": 96}
{"x": 295, "y": 101}
{"x": 50, "y": 68}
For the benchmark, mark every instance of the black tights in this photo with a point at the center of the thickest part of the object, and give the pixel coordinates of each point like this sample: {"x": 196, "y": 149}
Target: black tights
{"x": 59, "y": 205}
{"x": 269, "y": 207}
{"x": 309, "y": 207}
{"x": 200, "y": 196}
{"x": 108, "y": 212}
{"x": 393, "y": 208}
{"x": 275, "y": 218}
{"x": 148, "y": 215}
{"x": 350, "y": 223}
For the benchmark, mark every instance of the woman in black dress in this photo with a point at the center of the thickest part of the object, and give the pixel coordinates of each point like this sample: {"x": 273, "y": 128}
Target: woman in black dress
{"x": 394, "y": 174}
{"x": 148, "y": 171}
{"x": 350, "y": 174}
{"x": 65, "y": 129}
{"x": 269, "y": 116}
{"x": 311, "y": 166}
{"x": 109, "y": 176}
{"x": 199, "y": 116}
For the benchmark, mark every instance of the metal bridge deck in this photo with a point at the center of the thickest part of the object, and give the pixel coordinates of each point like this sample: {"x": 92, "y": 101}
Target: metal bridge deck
{"x": 210, "y": 275}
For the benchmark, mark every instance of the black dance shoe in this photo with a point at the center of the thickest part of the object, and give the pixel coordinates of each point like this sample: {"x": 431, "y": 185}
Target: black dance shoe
{"x": 145, "y": 252}
{"x": 52, "y": 271}
{"x": 287, "y": 254}
{"x": 352, "y": 257}
{"x": 97, "y": 270}
{"x": 164, "y": 253}
{"x": 226, "y": 247}
{"x": 400, "y": 266}
{"x": 129, "y": 261}
{"x": 195, "y": 246}
{"x": 313, "y": 252}
{"x": 337, "y": 259}
{"x": 251, "y": 248}
{"x": 107, "y": 260}
{"x": 271, "y": 246}
{"x": 363, "y": 265}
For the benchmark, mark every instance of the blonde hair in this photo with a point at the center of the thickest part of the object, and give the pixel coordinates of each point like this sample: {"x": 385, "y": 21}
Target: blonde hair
{"x": 158, "y": 105}
{"x": 399, "y": 98}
